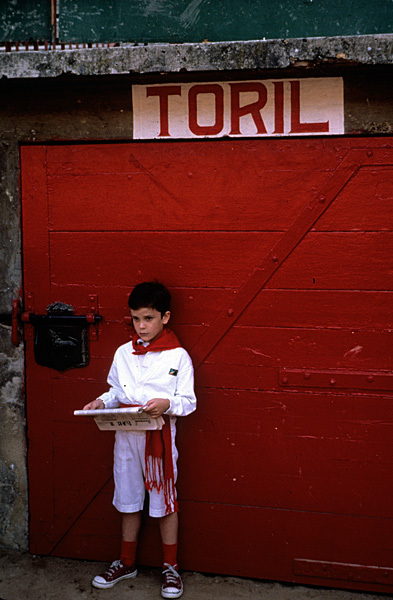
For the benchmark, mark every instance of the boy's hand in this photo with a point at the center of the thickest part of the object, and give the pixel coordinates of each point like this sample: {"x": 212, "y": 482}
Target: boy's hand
{"x": 96, "y": 404}
{"x": 156, "y": 407}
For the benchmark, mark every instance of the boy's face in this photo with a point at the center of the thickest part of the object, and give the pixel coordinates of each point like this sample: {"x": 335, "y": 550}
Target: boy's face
{"x": 149, "y": 323}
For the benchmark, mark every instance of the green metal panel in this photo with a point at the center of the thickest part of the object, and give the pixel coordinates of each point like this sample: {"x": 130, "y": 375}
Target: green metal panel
{"x": 147, "y": 21}
{"x": 25, "y": 20}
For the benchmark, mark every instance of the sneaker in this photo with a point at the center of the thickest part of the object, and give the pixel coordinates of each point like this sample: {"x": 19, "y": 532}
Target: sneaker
{"x": 172, "y": 585}
{"x": 116, "y": 572}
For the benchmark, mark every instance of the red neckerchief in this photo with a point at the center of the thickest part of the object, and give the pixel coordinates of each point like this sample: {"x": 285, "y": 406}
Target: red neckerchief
{"x": 167, "y": 340}
{"x": 159, "y": 473}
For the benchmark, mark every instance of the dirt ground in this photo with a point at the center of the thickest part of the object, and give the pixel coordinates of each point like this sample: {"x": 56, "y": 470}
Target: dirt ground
{"x": 29, "y": 577}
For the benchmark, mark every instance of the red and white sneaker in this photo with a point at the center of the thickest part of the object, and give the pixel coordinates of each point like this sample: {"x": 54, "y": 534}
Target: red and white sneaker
{"x": 172, "y": 585}
{"x": 116, "y": 572}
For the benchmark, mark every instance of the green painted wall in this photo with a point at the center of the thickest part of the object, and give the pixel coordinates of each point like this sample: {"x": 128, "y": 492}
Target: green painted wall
{"x": 25, "y": 20}
{"x": 220, "y": 20}
{"x": 149, "y": 21}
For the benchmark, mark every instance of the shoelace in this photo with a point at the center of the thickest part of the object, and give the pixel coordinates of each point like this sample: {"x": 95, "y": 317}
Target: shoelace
{"x": 171, "y": 575}
{"x": 113, "y": 567}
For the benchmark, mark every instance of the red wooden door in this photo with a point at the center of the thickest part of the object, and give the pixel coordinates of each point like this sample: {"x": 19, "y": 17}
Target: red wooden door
{"x": 279, "y": 257}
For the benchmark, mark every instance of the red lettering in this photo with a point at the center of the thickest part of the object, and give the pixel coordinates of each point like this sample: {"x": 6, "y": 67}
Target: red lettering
{"x": 253, "y": 109}
{"x": 278, "y": 107}
{"x": 163, "y": 93}
{"x": 218, "y": 92}
{"x": 296, "y": 125}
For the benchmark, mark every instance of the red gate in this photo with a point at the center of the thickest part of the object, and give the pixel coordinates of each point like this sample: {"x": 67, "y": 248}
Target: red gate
{"x": 279, "y": 256}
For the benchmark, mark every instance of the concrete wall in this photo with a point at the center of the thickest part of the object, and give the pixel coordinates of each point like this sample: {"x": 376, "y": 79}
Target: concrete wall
{"x": 73, "y": 96}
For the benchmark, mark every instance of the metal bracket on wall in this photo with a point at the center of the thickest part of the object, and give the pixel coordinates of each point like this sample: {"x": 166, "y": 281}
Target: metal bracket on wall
{"x": 93, "y": 317}
{"x": 12, "y": 320}
{"x": 337, "y": 379}
{"x": 28, "y": 308}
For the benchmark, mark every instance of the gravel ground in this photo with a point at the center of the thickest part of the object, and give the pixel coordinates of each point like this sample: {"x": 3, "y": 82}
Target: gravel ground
{"x": 28, "y": 577}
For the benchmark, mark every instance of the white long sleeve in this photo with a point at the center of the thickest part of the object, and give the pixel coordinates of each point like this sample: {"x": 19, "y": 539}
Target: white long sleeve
{"x": 183, "y": 401}
{"x": 115, "y": 395}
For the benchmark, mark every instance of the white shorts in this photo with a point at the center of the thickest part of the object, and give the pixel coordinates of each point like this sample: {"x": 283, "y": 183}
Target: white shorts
{"x": 129, "y": 472}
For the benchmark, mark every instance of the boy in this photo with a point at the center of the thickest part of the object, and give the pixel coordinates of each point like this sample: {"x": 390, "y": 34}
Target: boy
{"x": 155, "y": 372}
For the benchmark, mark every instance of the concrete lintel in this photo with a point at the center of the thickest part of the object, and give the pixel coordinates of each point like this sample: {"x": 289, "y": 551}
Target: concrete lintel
{"x": 209, "y": 56}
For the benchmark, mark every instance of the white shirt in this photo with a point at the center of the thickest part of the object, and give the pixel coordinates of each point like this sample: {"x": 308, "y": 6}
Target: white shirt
{"x": 135, "y": 379}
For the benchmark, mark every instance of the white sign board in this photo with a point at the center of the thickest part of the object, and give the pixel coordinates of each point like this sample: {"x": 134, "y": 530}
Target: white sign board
{"x": 264, "y": 108}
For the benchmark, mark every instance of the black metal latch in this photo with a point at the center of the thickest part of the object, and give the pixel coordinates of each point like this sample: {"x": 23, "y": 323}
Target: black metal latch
{"x": 61, "y": 339}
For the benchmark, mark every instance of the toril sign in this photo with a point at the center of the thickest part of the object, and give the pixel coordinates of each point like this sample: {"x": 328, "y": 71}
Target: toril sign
{"x": 290, "y": 107}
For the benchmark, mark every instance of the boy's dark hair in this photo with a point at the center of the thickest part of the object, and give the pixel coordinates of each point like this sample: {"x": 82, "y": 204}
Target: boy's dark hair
{"x": 150, "y": 294}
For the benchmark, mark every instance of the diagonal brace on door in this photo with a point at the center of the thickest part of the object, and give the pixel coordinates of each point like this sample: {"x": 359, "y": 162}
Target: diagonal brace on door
{"x": 320, "y": 202}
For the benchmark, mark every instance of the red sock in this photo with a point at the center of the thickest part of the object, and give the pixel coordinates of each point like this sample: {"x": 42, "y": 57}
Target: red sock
{"x": 170, "y": 554}
{"x": 128, "y": 552}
